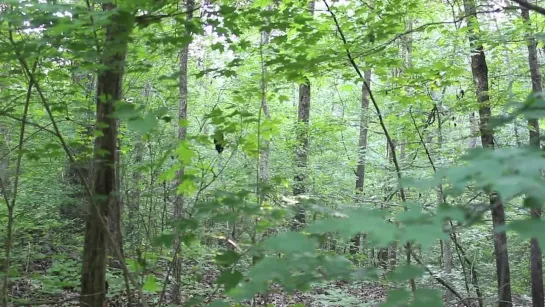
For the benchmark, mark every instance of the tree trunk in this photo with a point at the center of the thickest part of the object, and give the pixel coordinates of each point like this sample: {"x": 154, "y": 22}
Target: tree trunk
{"x": 133, "y": 203}
{"x": 479, "y": 69}
{"x": 362, "y": 149}
{"x": 447, "y": 243}
{"x": 109, "y": 91}
{"x": 265, "y": 151}
{"x": 536, "y": 266}
{"x": 116, "y": 209}
{"x": 301, "y": 150}
{"x": 182, "y": 132}
{"x": 5, "y": 191}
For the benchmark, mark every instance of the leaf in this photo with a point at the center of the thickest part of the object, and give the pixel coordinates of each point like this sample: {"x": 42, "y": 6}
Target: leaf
{"x": 445, "y": 211}
{"x": 529, "y": 228}
{"x": 397, "y": 297}
{"x": 229, "y": 279}
{"x": 262, "y": 3}
{"x": 164, "y": 239}
{"x": 194, "y": 301}
{"x": 290, "y": 243}
{"x": 184, "y": 152}
{"x": 337, "y": 267}
{"x": 423, "y": 234}
{"x": 186, "y": 187}
{"x": 268, "y": 269}
{"x": 406, "y": 272}
{"x": 143, "y": 125}
{"x": 227, "y": 258}
{"x": 372, "y": 222}
{"x": 150, "y": 284}
{"x": 219, "y": 303}
{"x": 427, "y": 297}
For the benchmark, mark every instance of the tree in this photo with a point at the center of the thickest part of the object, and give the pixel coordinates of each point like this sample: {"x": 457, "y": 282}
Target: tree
{"x": 302, "y": 141}
{"x": 182, "y": 132}
{"x": 536, "y": 265}
{"x": 109, "y": 92}
{"x": 362, "y": 149}
{"x": 479, "y": 70}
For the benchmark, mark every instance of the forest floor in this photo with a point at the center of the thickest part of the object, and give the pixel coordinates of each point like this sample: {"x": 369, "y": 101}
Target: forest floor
{"x": 330, "y": 295}
{"x": 339, "y": 293}
{"x": 334, "y": 294}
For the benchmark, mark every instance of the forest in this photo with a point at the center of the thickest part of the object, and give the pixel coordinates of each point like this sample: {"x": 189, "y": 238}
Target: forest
{"x": 272, "y": 153}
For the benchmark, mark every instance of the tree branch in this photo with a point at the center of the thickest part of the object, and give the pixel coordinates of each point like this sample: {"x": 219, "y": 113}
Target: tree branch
{"x": 531, "y": 6}
{"x": 382, "y": 125}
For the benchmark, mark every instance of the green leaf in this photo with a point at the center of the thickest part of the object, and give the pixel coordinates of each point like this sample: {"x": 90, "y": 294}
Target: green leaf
{"x": 423, "y": 234}
{"x": 143, "y": 125}
{"x": 379, "y": 231}
{"x": 427, "y": 297}
{"x": 290, "y": 243}
{"x": 529, "y": 228}
{"x": 194, "y": 301}
{"x": 406, "y": 272}
{"x": 164, "y": 239}
{"x": 397, "y": 297}
{"x": 227, "y": 258}
{"x": 337, "y": 267}
{"x": 150, "y": 284}
{"x": 219, "y": 303}
{"x": 262, "y": 3}
{"x": 447, "y": 212}
{"x": 229, "y": 279}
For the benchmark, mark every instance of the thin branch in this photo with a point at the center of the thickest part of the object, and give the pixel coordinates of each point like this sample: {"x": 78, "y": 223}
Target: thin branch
{"x": 420, "y": 28}
{"x": 373, "y": 100}
{"x": 22, "y": 138}
{"x": 440, "y": 280}
{"x": 90, "y": 9}
{"x": 381, "y": 121}
{"x": 422, "y": 140}
{"x": 25, "y": 121}
{"x": 531, "y": 6}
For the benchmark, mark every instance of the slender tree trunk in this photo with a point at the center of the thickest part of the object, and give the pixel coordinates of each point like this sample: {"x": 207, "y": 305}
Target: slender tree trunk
{"x": 133, "y": 203}
{"x": 264, "y": 143}
{"x": 116, "y": 209}
{"x": 479, "y": 69}
{"x": 109, "y": 91}
{"x": 447, "y": 243}
{"x": 536, "y": 266}
{"x": 5, "y": 190}
{"x": 362, "y": 149}
{"x": 265, "y": 151}
{"x": 182, "y": 132}
{"x": 301, "y": 150}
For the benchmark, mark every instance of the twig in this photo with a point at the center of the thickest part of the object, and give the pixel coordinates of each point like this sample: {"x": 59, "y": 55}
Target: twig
{"x": 381, "y": 121}
{"x": 531, "y": 6}
{"x": 439, "y": 279}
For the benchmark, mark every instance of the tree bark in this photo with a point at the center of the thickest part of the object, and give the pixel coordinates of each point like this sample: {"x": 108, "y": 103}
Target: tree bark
{"x": 447, "y": 243}
{"x": 5, "y": 191}
{"x": 536, "y": 265}
{"x": 265, "y": 151}
{"x": 362, "y": 149}
{"x": 479, "y": 69}
{"x": 301, "y": 150}
{"x": 104, "y": 187}
{"x": 182, "y": 133}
